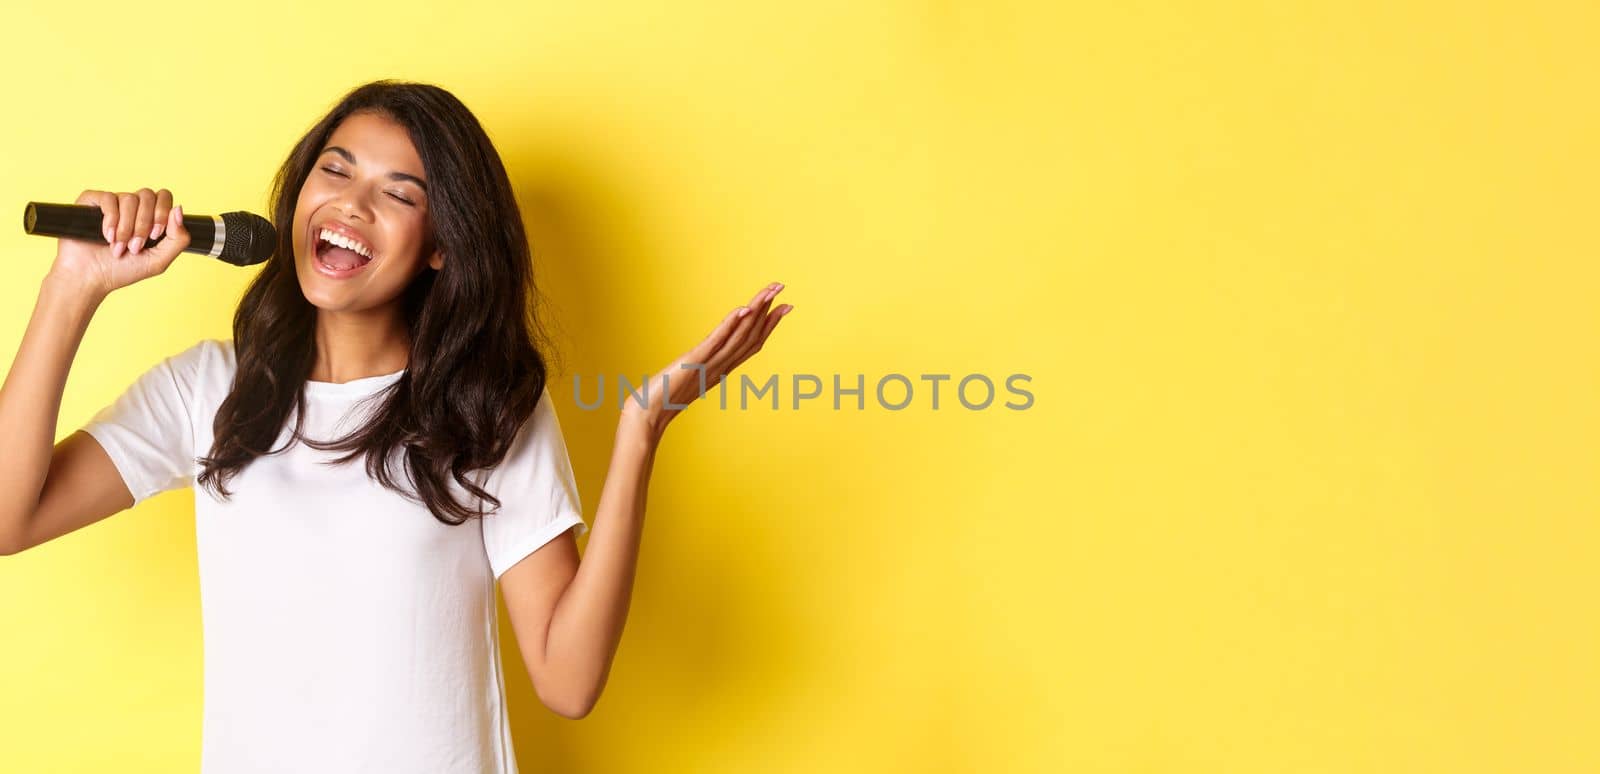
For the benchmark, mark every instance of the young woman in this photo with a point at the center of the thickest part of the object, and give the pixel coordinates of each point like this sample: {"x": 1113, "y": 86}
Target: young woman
{"x": 372, "y": 451}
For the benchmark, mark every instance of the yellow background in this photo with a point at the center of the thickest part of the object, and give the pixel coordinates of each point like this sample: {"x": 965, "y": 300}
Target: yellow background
{"x": 1307, "y": 293}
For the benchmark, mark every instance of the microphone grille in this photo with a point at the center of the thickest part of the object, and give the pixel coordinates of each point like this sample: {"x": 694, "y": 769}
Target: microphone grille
{"x": 251, "y": 239}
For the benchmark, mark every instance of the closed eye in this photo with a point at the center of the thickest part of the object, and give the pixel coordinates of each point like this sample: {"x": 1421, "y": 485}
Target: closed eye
{"x": 396, "y": 197}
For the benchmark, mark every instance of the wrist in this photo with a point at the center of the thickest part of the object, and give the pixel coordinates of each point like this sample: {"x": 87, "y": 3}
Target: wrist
{"x": 640, "y": 429}
{"x": 71, "y": 290}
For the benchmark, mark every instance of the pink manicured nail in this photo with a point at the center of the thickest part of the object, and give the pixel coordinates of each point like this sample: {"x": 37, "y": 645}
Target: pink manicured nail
{"x": 117, "y": 248}
{"x": 744, "y": 310}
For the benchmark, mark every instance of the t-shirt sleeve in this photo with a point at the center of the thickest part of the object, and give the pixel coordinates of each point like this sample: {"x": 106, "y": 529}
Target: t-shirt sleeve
{"x": 148, "y": 431}
{"x": 537, "y": 492}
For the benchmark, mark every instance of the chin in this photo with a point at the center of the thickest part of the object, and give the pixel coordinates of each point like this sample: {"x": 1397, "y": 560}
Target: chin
{"x": 318, "y": 291}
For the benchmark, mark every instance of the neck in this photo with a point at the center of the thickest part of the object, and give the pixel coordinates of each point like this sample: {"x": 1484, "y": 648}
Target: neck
{"x": 356, "y": 345}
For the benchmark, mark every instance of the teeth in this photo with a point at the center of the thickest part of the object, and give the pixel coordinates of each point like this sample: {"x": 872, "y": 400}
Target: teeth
{"x": 334, "y": 237}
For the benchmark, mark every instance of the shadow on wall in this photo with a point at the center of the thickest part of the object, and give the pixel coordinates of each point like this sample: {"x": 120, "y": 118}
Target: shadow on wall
{"x": 687, "y": 643}
{"x": 578, "y": 266}
{"x": 718, "y": 639}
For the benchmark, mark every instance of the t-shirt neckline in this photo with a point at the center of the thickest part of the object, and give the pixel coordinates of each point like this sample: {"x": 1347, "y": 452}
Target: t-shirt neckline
{"x": 366, "y": 385}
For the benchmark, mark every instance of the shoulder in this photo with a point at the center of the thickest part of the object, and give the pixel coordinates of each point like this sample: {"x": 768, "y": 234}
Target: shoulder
{"x": 539, "y": 442}
{"x": 204, "y": 356}
{"x": 205, "y": 367}
{"x": 543, "y": 424}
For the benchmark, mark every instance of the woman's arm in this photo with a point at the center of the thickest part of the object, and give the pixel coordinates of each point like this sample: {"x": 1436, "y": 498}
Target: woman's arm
{"x": 30, "y": 403}
{"x": 568, "y": 615}
{"x": 29, "y": 406}
{"x": 48, "y": 489}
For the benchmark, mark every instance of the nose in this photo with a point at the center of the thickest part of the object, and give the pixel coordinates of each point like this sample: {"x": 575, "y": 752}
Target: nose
{"x": 351, "y": 206}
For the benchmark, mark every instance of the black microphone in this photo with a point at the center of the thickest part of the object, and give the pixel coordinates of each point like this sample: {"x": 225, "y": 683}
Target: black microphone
{"x": 239, "y": 238}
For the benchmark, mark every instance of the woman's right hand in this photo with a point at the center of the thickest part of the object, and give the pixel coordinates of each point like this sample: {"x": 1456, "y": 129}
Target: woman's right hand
{"x": 130, "y": 220}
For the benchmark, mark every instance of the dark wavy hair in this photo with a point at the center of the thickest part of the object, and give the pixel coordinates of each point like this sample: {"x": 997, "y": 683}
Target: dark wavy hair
{"x": 476, "y": 369}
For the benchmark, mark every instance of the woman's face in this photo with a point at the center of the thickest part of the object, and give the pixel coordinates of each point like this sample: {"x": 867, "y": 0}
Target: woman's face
{"x": 367, "y": 186}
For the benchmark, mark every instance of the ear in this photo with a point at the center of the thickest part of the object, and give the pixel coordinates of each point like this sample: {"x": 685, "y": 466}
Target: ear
{"x": 436, "y": 261}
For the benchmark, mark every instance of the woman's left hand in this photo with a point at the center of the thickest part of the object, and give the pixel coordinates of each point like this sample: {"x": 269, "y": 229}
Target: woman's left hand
{"x": 735, "y": 339}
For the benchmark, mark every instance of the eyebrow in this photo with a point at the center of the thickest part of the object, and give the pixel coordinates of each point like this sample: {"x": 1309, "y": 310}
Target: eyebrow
{"x": 350, "y": 157}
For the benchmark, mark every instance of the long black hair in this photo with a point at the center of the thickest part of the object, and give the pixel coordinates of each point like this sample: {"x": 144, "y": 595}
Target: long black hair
{"x": 476, "y": 369}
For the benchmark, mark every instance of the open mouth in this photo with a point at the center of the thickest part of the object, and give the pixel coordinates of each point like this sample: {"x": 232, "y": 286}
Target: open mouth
{"x": 340, "y": 254}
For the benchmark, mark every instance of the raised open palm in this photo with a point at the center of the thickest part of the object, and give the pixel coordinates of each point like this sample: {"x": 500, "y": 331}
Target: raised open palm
{"x": 740, "y": 334}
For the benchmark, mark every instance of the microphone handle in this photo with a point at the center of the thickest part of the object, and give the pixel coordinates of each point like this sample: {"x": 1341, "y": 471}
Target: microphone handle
{"x": 83, "y": 221}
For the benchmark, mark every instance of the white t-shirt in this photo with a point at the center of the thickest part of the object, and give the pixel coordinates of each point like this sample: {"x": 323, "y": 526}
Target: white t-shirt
{"x": 346, "y": 629}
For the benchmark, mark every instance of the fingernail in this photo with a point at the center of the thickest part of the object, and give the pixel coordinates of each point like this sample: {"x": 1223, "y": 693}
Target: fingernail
{"x": 133, "y": 246}
{"x": 778, "y": 288}
{"x": 107, "y": 232}
{"x": 155, "y": 233}
{"x": 116, "y": 249}
{"x": 785, "y": 309}
{"x": 744, "y": 310}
